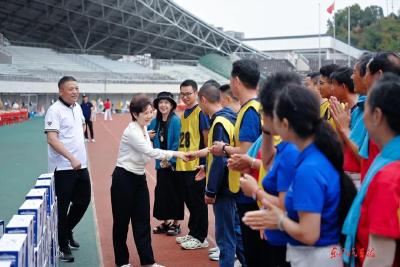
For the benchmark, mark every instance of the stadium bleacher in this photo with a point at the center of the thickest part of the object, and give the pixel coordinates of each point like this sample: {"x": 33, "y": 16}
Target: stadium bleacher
{"x": 219, "y": 64}
{"x": 45, "y": 64}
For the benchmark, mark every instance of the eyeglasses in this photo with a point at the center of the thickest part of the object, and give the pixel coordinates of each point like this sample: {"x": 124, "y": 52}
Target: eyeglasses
{"x": 186, "y": 94}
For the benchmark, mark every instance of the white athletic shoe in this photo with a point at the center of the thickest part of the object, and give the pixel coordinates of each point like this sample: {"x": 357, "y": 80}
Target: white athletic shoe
{"x": 213, "y": 250}
{"x": 194, "y": 243}
{"x": 214, "y": 256}
{"x": 154, "y": 265}
{"x": 182, "y": 239}
{"x": 93, "y": 141}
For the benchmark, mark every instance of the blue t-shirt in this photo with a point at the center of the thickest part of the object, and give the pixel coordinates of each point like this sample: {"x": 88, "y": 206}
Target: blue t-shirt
{"x": 250, "y": 131}
{"x": 278, "y": 179}
{"x": 87, "y": 109}
{"x": 204, "y": 124}
{"x": 315, "y": 189}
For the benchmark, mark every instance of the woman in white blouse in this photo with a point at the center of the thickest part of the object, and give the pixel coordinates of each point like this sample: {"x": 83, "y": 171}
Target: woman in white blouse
{"x": 129, "y": 192}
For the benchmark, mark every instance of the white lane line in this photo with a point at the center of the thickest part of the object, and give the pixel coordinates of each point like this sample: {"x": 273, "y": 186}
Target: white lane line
{"x": 95, "y": 214}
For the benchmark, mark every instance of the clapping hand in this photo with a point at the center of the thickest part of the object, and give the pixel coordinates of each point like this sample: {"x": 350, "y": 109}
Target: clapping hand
{"x": 248, "y": 184}
{"x": 341, "y": 115}
{"x": 266, "y": 218}
{"x": 240, "y": 162}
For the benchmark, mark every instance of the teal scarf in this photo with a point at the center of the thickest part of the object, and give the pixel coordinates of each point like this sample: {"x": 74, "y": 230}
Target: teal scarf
{"x": 389, "y": 154}
{"x": 358, "y": 133}
{"x": 255, "y": 147}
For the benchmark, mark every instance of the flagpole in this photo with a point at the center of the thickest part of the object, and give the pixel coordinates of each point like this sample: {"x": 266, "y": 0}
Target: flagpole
{"x": 334, "y": 36}
{"x": 319, "y": 35}
{"x": 348, "y": 37}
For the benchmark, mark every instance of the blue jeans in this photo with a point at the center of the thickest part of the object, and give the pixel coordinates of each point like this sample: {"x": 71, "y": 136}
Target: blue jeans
{"x": 227, "y": 231}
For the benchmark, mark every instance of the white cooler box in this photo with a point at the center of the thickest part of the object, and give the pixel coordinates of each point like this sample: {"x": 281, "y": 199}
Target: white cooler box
{"x": 13, "y": 248}
{"x": 36, "y": 208}
{"x": 49, "y": 184}
{"x": 5, "y": 263}
{"x": 23, "y": 224}
{"x": 40, "y": 193}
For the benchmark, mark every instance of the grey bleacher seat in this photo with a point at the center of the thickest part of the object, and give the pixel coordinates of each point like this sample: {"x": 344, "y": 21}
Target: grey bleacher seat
{"x": 116, "y": 66}
{"x": 42, "y": 58}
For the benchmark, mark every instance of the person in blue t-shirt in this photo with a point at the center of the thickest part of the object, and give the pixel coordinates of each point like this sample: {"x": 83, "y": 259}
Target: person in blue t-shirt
{"x": 87, "y": 109}
{"x": 244, "y": 81}
{"x": 281, "y": 171}
{"x": 319, "y": 197}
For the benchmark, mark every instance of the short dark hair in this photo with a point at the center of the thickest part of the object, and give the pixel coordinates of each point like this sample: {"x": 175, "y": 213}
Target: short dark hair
{"x": 248, "y": 72}
{"x": 385, "y": 95}
{"x": 363, "y": 61}
{"x": 226, "y": 89}
{"x": 386, "y": 62}
{"x": 343, "y": 76}
{"x": 314, "y": 76}
{"x": 272, "y": 86}
{"x": 64, "y": 80}
{"x": 210, "y": 90}
{"x": 138, "y": 104}
{"x": 191, "y": 83}
{"x": 328, "y": 69}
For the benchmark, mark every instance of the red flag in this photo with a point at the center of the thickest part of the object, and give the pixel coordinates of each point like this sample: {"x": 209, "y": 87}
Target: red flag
{"x": 331, "y": 8}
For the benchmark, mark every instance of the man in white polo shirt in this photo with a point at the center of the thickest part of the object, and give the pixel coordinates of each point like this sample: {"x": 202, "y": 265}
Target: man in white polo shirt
{"x": 64, "y": 123}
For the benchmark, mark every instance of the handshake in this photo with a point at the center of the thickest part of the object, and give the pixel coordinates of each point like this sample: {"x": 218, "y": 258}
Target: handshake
{"x": 192, "y": 155}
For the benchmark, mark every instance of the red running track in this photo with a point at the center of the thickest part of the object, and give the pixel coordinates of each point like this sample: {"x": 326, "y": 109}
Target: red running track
{"x": 102, "y": 159}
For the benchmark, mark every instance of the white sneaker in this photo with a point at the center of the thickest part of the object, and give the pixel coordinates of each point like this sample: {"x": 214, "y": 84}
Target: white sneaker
{"x": 194, "y": 243}
{"x": 214, "y": 256}
{"x": 126, "y": 265}
{"x": 93, "y": 141}
{"x": 86, "y": 140}
{"x": 213, "y": 250}
{"x": 183, "y": 239}
{"x": 154, "y": 265}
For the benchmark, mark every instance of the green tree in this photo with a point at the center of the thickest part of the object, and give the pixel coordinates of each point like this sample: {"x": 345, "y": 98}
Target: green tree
{"x": 384, "y": 35}
{"x": 369, "y": 28}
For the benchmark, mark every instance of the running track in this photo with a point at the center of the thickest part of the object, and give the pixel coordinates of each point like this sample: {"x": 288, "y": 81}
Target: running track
{"x": 102, "y": 159}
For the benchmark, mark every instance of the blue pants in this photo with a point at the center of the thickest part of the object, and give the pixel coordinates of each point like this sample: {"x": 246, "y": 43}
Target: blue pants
{"x": 227, "y": 231}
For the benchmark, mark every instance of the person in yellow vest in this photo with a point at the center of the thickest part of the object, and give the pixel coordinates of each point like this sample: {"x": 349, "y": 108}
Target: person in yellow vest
{"x": 325, "y": 92}
{"x": 193, "y": 136}
{"x": 217, "y": 193}
{"x": 244, "y": 83}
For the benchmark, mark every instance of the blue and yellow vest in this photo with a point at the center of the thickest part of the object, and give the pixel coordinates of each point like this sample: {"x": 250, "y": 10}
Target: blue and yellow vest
{"x": 189, "y": 140}
{"x": 234, "y": 176}
{"x": 230, "y": 129}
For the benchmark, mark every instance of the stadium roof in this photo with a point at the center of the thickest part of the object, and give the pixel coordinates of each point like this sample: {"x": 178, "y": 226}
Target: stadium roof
{"x": 125, "y": 27}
